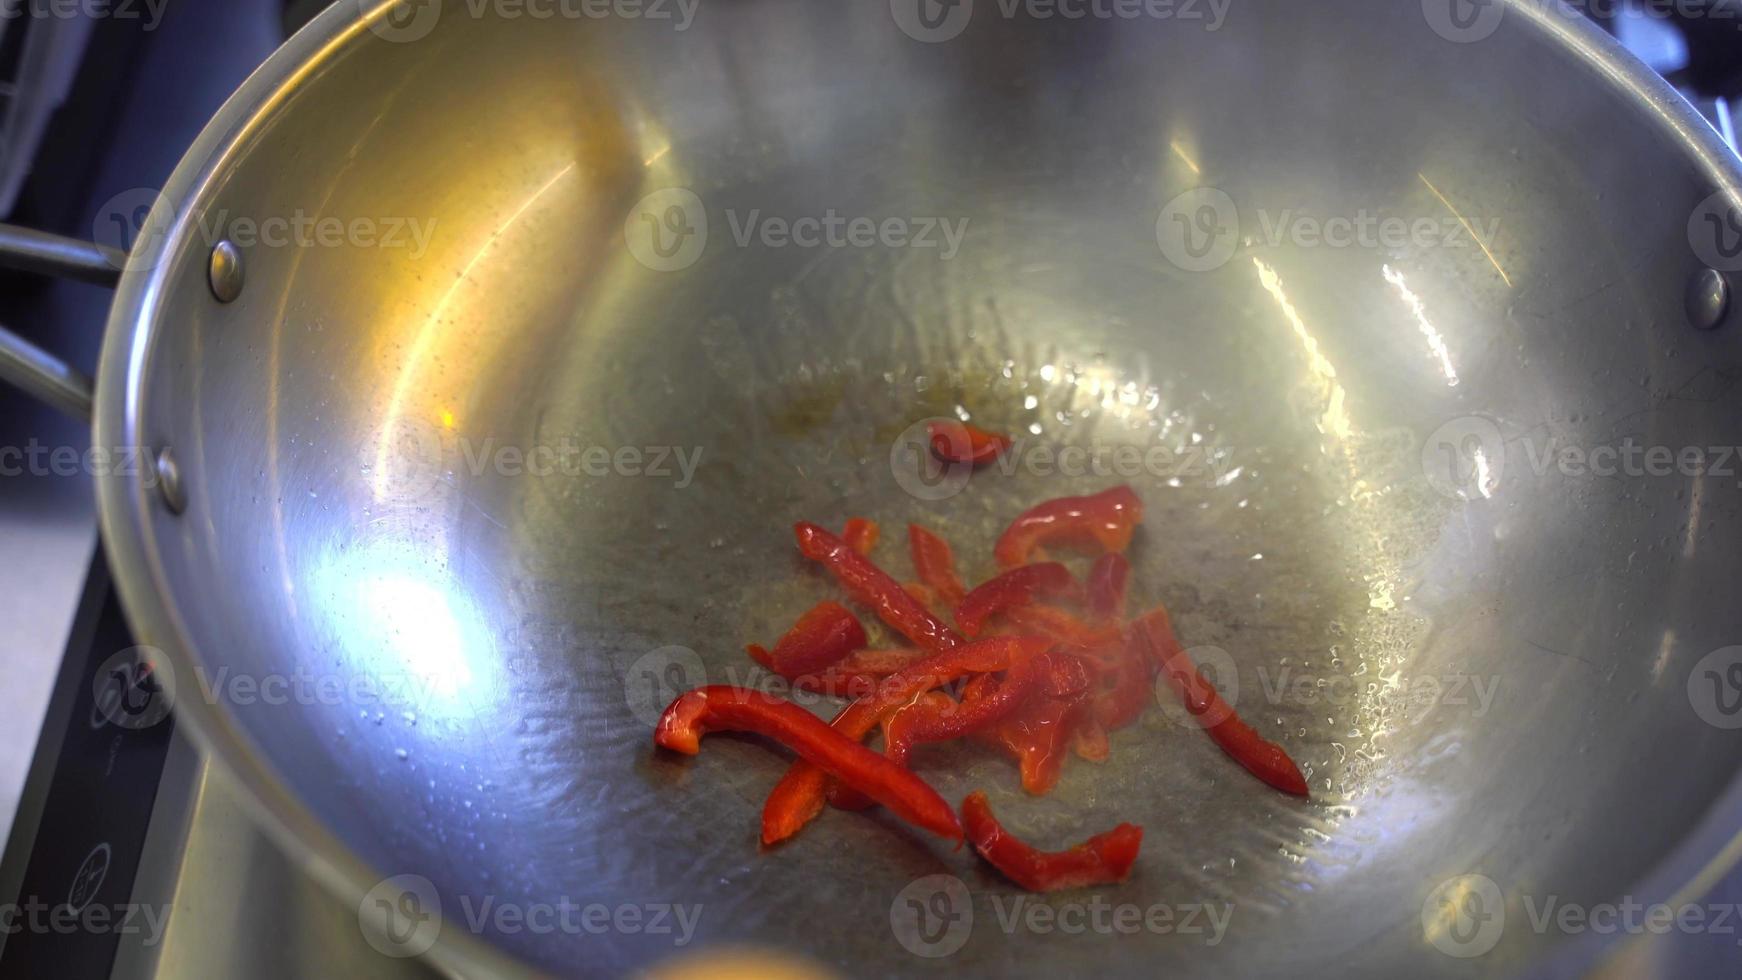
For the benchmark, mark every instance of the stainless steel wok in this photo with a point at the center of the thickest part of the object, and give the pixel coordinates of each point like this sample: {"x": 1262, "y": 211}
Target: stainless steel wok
{"x": 1349, "y": 503}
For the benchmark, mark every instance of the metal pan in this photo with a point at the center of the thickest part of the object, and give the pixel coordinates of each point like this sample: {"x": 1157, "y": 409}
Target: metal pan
{"x": 1492, "y": 665}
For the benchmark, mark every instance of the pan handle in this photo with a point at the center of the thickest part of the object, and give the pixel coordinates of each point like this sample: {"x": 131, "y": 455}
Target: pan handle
{"x": 26, "y": 365}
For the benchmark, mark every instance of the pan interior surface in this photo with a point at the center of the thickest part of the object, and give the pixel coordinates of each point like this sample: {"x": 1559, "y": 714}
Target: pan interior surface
{"x": 490, "y": 494}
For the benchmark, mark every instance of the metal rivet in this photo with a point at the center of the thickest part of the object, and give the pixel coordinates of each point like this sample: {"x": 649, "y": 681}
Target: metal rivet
{"x": 1708, "y": 299}
{"x": 225, "y": 271}
{"x": 169, "y": 481}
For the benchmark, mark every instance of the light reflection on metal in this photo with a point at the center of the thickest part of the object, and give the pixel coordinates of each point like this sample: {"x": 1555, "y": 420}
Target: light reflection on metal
{"x": 1335, "y": 420}
{"x": 1180, "y": 151}
{"x": 427, "y": 647}
{"x": 421, "y": 343}
{"x": 1696, "y": 505}
{"x": 1486, "y": 483}
{"x": 1435, "y": 342}
{"x": 1471, "y": 229}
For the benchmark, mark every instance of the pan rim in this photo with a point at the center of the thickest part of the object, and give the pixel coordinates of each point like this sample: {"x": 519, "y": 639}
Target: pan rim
{"x": 128, "y": 509}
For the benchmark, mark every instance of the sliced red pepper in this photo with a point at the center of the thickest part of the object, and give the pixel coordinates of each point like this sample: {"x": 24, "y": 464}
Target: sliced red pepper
{"x": 1038, "y": 735}
{"x": 870, "y": 585}
{"x": 800, "y": 794}
{"x": 1089, "y": 741}
{"x": 896, "y": 743}
{"x": 821, "y": 637}
{"x": 1102, "y": 859}
{"x": 959, "y": 442}
{"x": 859, "y": 674}
{"x": 1263, "y": 758}
{"x": 1066, "y": 676}
{"x": 935, "y": 564}
{"x": 1025, "y": 679}
{"x": 1016, "y": 587}
{"x": 939, "y": 719}
{"x": 861, "y": 534}
{"x": 1126, "y": 689}
{"x": 1104, "y": 522}
{"x": 1064, "y": 627}
{"x": 724, "y": 708}
{"x": 1106, "y": 585}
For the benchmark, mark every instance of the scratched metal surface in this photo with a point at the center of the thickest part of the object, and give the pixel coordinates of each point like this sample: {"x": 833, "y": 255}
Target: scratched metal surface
{"x": 1490, "y": 682}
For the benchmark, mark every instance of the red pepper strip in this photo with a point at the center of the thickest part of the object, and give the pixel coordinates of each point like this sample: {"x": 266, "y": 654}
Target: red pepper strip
{"x": 822, "y": 636}
{"x": 861, "y": 534}
{"x": 1066, "y": 677}
{"x": 1024, "y": 680}
{"x": 1089, "y": 741}
{"x": 720, "y": 707}
{"x": 921, "y": 592}
{"x": 1264, "y": 759}
{"x": 1061, "y": 625}
{"x": 859, "y": 674}
{"x": 870, "y": 585}
{"x": 896, "y": 743}
{"x": 943, "y": 720}
{"x": 1106, "y": 586}
{"x": 1017, "y": 587}
{"x": 935, "y": 564}
{"x": 1102, "y": 859}
{"x": 799, "y": 795}
{"x": 959, "y": 442}
{"x": 1104, "y": 521}
{"x": 1128, "y": 691}
{"x": 1038, "y": 734}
